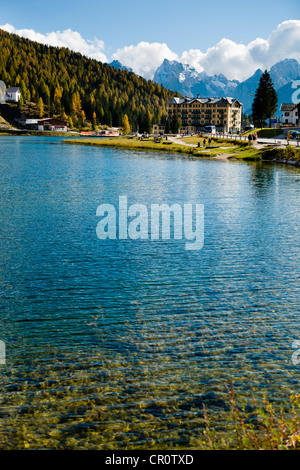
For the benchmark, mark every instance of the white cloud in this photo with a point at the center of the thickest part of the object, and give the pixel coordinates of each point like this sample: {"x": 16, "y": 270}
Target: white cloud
{"x": 145, "y": 57}
{"x": 235, "y": 61}
{"x": 67, "y": 38}
{"x": 284, "y": 42}
{"x": 193, "y": 57}
{"x": 226, "y": 57}
{"x": 239, "y": 61}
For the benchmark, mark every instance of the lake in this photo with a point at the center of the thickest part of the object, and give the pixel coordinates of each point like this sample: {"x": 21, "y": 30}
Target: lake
{"x": 118, "y": 343}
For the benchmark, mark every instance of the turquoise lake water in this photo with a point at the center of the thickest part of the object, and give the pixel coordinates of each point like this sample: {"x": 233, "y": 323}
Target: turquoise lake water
{"x": 154, "y": 329}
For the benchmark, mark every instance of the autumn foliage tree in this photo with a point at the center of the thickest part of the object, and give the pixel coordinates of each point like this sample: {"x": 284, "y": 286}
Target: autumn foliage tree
{"x": 125, "y": 124}
{"x": 69, "y": 83}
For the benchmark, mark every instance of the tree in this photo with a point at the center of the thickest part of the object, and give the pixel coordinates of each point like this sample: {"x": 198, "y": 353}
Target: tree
{"x": 175, "y": 123}
{"x": 76, "y": 104}
{"x": 57, "y": 99}
{"x": 265, "y": 101}
{"x": 21, "y": 102}
{"x": 165, "y": 121}
{"x": 94, "y": 121}
{"x": 82, "y": 119}
{"x": 70, "y": 122}
{"x": 67, "y": 81}
{"x": 41, "y": 108}
{"x": 125, "y": 124}
{"x": 146, "y": 124}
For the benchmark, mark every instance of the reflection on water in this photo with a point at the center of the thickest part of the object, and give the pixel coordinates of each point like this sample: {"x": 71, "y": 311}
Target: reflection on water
{"x": 127, "y": 339}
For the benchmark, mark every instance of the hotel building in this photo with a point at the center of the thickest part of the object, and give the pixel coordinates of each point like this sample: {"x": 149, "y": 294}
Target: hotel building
{"x": 197, "y": 113}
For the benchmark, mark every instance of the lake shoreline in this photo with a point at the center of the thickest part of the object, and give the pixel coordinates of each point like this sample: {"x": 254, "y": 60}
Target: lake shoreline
{"x": 237, "y": 152}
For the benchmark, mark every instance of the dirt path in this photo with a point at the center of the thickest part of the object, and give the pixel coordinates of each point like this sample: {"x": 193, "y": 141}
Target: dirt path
{"x": 177, "y": 140}
{"x": 221, "y": 156}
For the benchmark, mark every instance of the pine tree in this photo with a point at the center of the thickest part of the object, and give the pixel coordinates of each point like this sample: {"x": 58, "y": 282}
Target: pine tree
{"x": 41, "y": 108}
{"x": 125, "y": 124}
{"x": 175, "y": 123}
{"x": 57, "y": 100}
{"x": 265, "y": 102}
{"x": 70, "y": 122}
{"x": 166, "y": 122}
{"x": 76, "y": 104}
{"x": 146, "y": 123}
{"x": 94, "y": 121}
{"x": 69, "y": 82}
{"x": 21, "y": 102}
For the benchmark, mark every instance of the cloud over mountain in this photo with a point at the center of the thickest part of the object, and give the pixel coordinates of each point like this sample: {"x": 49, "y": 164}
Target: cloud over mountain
{"x": 235, "y": 61}
{"x": 145, "y": 57}
{"x": 67, "y": 38}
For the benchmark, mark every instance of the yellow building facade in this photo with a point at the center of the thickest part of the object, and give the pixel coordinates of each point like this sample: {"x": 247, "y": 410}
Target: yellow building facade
{"x": 197, "y": 113}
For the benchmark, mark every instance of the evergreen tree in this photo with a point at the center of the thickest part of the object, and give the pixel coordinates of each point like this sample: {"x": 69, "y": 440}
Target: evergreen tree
{"x": 76, "y": 104}
{"x": 265, "y": 102}
{"x": 175, "y": 123}
{"x": 94, "y": 121}
{"x": 167, "y": 125}
{"x": 41, "y": 108}
{"x": 21, "y": 102}
{"x": 146, "y": 123}
{"x": 125, "y": 124}
{"x": 70, "y": 82}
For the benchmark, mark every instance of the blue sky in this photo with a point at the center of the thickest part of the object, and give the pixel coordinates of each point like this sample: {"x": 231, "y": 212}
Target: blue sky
{"x": 110, "y": 27}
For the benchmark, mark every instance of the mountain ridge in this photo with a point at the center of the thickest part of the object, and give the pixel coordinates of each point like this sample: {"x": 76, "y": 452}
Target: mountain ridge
{"x": 76, "y": 88}
{"x": 184, "y": 79}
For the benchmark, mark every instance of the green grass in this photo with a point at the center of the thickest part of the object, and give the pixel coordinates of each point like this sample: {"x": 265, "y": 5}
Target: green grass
{"x": 265, "y": 132}
{"x": 163, "y": 146}
{"x": 219, "y": 141}
{"x": 215, "y": 141}
{"x": 247, "y": 154}
{"x": 129, "y": 143}
{"x": 233, "y": 149}
{"x": 288, "y": 153}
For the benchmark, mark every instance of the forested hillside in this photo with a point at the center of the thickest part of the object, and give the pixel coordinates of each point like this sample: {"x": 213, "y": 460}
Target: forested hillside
{"x": 77, "y": 88}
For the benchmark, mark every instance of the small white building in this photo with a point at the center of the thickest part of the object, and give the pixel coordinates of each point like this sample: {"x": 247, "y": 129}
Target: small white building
{"x": 289, "y": 113}
{"x": 13, "y": 95}
{"x": 46, "y": 124}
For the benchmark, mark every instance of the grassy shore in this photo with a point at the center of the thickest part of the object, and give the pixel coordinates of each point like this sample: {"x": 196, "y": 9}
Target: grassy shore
{"x": 132, "y": 143}
{"x": 232, "y": 149}
{"x": 265, "y": 132}
{"x": 217, "y": 147}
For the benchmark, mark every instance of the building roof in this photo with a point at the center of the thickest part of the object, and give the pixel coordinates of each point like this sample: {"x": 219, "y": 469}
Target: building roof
{"x": 50, "y": 119}
{"x": 13, "y": 89}
{"x": 224, "y": 99}
{"x": 31, "y": 121}
{"x": 288, "y": 106}
{"x": 177, "y": 100}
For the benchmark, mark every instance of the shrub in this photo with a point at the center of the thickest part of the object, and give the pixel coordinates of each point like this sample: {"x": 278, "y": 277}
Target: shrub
{"x": 289, "y": 153}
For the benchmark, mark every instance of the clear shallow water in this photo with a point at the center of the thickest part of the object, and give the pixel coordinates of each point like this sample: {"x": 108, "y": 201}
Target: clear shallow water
{"x": 146, "y": 329}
